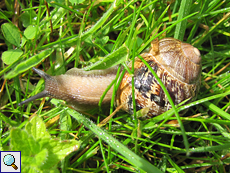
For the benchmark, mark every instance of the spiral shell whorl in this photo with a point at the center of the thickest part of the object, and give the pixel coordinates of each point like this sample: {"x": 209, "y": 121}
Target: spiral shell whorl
{"x": 180, "y": 59}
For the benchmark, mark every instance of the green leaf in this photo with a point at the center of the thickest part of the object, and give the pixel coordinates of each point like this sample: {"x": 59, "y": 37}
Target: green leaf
{"x": 34, "y": 162}
{"x": 29, "y": 63}
{"x": 11, "y": 33}
{"x": 24, "y": 142}
{"x": 27, "y": 167}
{"x": 39, "y": 151}
{"x": 75, "y": 2}
{"x": 30, "y": 32}
{"x": 115, "y": 58}
{"x": 36, "y": 127}
{"x": 28, "y": 18}
{"x": 58, "y": 150}
{"x": 10, "y": 56}
{"x": 40, "y": 158}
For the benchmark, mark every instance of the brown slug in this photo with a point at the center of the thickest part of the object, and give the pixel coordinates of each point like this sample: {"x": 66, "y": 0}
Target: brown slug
{"x": 177, "y": 64}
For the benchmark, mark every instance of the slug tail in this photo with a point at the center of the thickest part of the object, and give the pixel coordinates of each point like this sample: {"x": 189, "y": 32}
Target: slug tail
{"x": 37, "y": 96}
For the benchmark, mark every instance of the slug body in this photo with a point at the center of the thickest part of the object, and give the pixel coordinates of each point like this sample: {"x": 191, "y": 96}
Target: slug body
{"x": 177, "y": 64}
{"x": 80, "y": 89}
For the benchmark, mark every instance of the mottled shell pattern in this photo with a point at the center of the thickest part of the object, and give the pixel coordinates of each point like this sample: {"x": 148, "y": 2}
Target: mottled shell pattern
{"x": 177, "y": 64}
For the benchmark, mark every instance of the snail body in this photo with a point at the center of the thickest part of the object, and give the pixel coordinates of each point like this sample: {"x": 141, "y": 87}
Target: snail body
{"x": 177, "y": 64}
{"x": 80, "y": 89}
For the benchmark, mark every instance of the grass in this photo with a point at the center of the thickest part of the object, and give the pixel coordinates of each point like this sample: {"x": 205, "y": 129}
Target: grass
{"x": 98, "y": 35}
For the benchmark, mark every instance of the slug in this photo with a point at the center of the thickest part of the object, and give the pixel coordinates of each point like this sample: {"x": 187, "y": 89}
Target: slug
{"x": 177, "y": 64}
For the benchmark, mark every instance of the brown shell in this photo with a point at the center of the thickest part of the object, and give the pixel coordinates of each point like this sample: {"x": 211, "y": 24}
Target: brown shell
{"x": 177, "y": 64}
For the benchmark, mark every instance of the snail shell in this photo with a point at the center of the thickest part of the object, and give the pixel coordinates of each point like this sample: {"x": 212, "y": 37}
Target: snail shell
{"x": 177, "y": 64}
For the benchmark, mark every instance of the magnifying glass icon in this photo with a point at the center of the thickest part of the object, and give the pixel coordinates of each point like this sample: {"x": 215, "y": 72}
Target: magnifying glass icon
{"x": 9, "y": 160}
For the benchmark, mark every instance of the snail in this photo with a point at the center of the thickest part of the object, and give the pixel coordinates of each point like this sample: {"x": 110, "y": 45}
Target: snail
{"x": 177, "y": 64}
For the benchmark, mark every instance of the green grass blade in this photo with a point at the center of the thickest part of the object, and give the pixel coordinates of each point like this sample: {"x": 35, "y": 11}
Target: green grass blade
{"x": 183, "y": 12}
{"x": 114, "y": 143}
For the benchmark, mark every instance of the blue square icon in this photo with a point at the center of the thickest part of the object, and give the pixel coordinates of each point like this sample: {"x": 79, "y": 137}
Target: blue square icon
{"x": 10, "y": 161}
